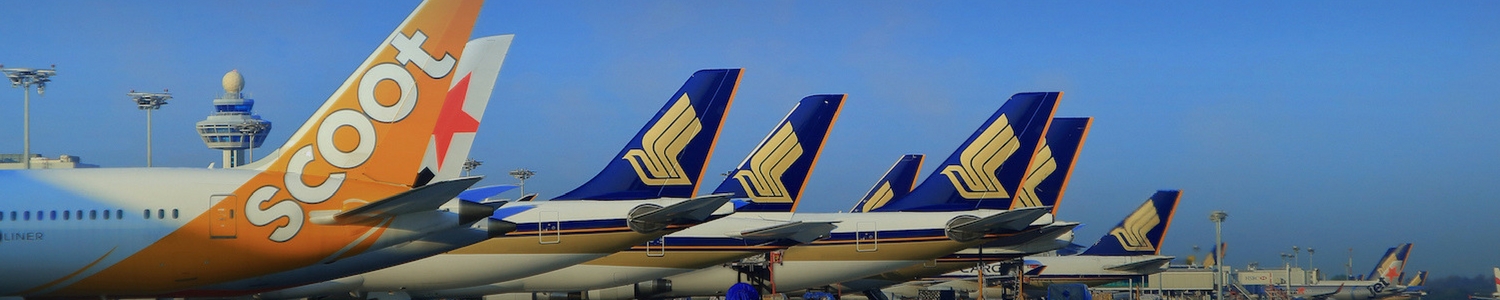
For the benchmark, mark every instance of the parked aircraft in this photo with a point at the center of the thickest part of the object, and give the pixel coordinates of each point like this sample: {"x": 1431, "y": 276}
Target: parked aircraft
{"x": 772, "y": 177}
{"x": 643, "y": 193}
{"x": 1043, "y": 186}
{"x": 962, "y": 205}
{"x": 1379, "y": 285}
{"x": 357, "y": 177}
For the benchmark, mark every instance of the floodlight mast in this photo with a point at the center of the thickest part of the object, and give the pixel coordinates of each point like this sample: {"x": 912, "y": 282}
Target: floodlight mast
{"x": 149, "y": 102}
{"x": 25, "y": 78}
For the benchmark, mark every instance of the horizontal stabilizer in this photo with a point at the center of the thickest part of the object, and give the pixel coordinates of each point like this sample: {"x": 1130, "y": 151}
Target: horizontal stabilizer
{"x": 1008, "y": 221}
{"x": 1153, "y": 263}
{"x": 693, "y": 210}
{"x": 479, "y": 194}
{"x": 800, "y": 231}
{"x": 426, "y": 198}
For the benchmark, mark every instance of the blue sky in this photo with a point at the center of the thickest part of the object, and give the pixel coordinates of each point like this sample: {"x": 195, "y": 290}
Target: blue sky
{"x": 1331, "y": 125}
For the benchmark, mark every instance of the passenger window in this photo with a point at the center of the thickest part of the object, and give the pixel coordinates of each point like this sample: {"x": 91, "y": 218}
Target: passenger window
{"x": 28, "y": 215}
{"x": 94, "y": 214}
{"x": 174, "y": 213}
{"x": 54, "y": 215}
{"x": 2, "y": 216}
{"x": 65, "y": 214}
{"x": 161, "y": 213}
{"x": 119, "y": 214}
{"x": 148, "y": 214}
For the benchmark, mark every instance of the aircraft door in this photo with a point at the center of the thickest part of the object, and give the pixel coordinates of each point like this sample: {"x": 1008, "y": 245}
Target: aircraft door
{"x": 549, "y": 229}
{"x": 656, "y": 247}
{"x": 222, "y": 221}
{"x": 866, "y": 236}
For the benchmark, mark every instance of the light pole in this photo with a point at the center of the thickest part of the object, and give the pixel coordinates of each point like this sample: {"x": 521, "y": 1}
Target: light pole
{"x": 1310, "y": 264}
{"x": 25, "y": 78}
{"x": 149, "y": 102}
{"x": 1217, "y": 217}
{"x": 251, "y": 130}
{"x": 522, "y": 174}
{"x": 470, "y": 164}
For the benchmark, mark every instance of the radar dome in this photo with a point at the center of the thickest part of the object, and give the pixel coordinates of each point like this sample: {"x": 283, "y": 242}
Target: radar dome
{"x": 233, "y": 82}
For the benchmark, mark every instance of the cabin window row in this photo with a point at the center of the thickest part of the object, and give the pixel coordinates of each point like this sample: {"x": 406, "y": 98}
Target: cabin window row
{"x": 41, "y": 215}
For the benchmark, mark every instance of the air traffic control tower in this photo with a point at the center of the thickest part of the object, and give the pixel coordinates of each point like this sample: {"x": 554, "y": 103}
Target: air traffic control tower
{"x": 232, "y": 127}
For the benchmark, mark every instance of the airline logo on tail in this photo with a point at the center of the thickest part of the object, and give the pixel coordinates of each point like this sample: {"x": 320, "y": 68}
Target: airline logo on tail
{"x": 882, "y": 194}
{"x": 974, "y": 176}
{"x": 656, "y": 163}
{"x": 1132, "y": 233}
{"x": 345, "y": 139}
{"x": 1042, "y": 167}
{"x": 762, "y": 181}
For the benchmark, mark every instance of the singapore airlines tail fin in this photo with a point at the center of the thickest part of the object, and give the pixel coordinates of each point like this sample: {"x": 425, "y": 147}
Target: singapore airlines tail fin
{"x": 1391, "y": 264}
{"x": 987, "y": 169}
{"x": 896, "y": 183}
{"x": 379, "y": 123}
{"x": 1053, "y": 163}
{"x": 667, "y": 157}
{"x": 1142, "y": 232}
{"x": 1214, "y": 255}
{"x": 774, "y": 174}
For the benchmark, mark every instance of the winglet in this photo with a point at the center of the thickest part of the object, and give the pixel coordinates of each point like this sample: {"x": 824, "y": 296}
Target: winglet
{"x": 775, "y": 173}
{"x": 987, "y": 169}
{"x": 1142, "y": 232}
{"x": 666, "y": 159}
{"x": 896, "y": 183}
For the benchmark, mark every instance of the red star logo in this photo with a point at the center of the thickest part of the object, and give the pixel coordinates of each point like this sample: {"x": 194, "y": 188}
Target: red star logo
{"x": 453, "y": 119}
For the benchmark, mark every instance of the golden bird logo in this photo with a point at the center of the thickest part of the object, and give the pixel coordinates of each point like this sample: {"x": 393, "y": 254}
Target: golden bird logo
{"x": 1132, "y": 233}
{"x": 1043, "y": 164}
{"x": 656, "y": 162}
{"x": 974, "y": 176}
{"x": 762, "y": 180}
{"x": 882, "y": 195}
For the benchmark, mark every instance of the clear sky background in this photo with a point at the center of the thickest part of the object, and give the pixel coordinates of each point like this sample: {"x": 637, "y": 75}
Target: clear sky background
{"x": 1330, "y": 125}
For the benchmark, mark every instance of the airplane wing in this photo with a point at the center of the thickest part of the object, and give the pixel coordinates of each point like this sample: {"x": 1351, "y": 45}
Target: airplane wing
{"x": 1149, "y": 263}
{"x": 479, "y": 194}
{"x": 1008, "y": 221}
{"x": 425, "y": 198}
{"x": 1324, "y": 296}
{"x": 696, "y": 209}
{"x": 800, "y": 231}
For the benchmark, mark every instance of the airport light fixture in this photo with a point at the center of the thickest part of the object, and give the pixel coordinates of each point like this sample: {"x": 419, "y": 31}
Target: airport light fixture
{"x": 1218, "y": 217}
{"x": 149, "y": 102}
{"x": 470, "y": 164}
{"x": 523, "y": 174}
{"x": 25, "y": 78}
{"x": 251, "y": 130}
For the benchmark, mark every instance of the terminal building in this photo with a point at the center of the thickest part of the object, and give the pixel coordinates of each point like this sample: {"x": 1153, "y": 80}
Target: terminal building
{"x": 11, "y": 161}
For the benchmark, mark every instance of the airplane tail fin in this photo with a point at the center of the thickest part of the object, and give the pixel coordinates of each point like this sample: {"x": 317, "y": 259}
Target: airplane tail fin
{"x": 468, "y": 95}
{"x": 666, "y": 159}
{"x": 1142, "y": 232}
{"x": 1419, "y": 280}
{"x": 377, "y": 126}
{"x": 896, "y": 183}
{"x": 775, "y": 173}
{"x": 1391, "y": 264}
{"x": 1214, "y": 255}
{"x": 1053, "y": 164}
{"x": 987, "y": 169}
{"x": 1497, "y": 280}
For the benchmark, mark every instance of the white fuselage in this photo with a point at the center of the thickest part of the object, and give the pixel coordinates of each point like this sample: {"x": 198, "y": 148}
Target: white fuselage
{"x": 550, "y": 235}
